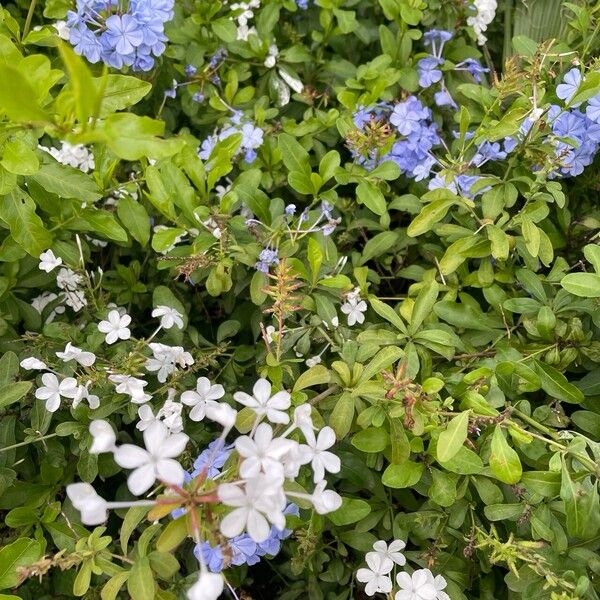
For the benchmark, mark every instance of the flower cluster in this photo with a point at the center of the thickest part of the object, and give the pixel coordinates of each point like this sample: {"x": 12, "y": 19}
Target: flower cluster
{"x": 248, "y": 494}
{"x": 251, "y": 138}
{"x": 486, "y": 12}
{"x": 250, "y": 498}
{"x": 131, "y": 35}
{"x": 74, "y": 155}
{"x": 418, "y": 585}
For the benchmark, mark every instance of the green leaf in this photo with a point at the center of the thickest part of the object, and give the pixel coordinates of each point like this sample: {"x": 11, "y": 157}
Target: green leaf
{"x": 402, "y": 476}
{"x": 66, "y": 182}
{"x": 388, "y": 313}
{"x": 12, "y": 392}
{"x": 429, "y": 216}
{"x": 132, "y": 519}
{"x": 21, "y": 553}
{"x": 328, "y": 165}
{"x": 342, "y": 415}
{"x": 316, "y": 375}
{"x": 584, "y": 285}
{"x": 382, "y": 360}
{"x": 140, "y": 583}
{"x": 18, "y": 98}
{"x": 452, "y": 439}
{"x": 370, "y": 195}
{"x": 294, "y": 156}
{"x": 84, "y": 576}
{"x": 372, "y": 439}
{"x": 17, "y": 210}
{"x": 82, "y": 84}
{"x": 104, "y": 224}
{"x": 132, "y": 137}
{"x": 555, "y": 384}
{"x": 351, "y": 511}
{"x": 423, "y": 305}
{"x": 112, "y": 587}
{"x": 19, "y": 158}
{"x": 378, "y": 245}
{"x": 9, "y": 368}
{"x": 464, "y": 462}
{"x": 135, "y": 218}
{"x": 504, "y": 461}
{"x": 121, "y": 91}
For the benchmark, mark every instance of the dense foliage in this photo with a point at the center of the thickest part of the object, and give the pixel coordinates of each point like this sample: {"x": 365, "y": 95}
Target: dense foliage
{"x": 299, "y": 299}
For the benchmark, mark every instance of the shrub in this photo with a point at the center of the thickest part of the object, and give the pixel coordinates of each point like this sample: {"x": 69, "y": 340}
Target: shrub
{"x": 299, "y": 300}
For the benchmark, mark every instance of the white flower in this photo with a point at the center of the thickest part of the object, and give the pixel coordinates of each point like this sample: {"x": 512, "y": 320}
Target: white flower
{"x": 32, "y": 363}
{"x": 315, "y": 452}
{"x": 48, "y": 261}
{"x": 66, "y": 279}
{"x": 115, "y": 327}
{"x": 52, "y": 390}
{"x": 168, "y": 317}
{"x": 208, "y": 587}
{"x": 205, "y": 395}
{"x": 170, "y": 415}
{"x": 62, "y": 30}
{"x": 76, "y": 156}
{"x": 439, "y": 583}
{"x": 83, "y": 393}
{"x": 354, "y": 307}
{"x": 146, "y": 417}
{"x": 486, "y": 11}
{"x": 262, "y": 453}
{"x": 302, "y": 418}
{"x": 133, "y": 387}
{"x": 221, "y": 413}
{"x": 419, "y": 586}
{"x": 85, "y": 359}
{"x": 263, "y": 404}
{"x": 259, "y": 501}
{"x": 73, "y": 298}
{"x": 271, "y": 59}
{"x": 156, "y": 461}
{"x": 313, "y": 361}
{"x": 269, "y": 331}
{"x": 167, "y": 359}
{"x": 392, "y": 551}
{"x": 85, "y": 499}
{"x": 325, "y": 501}
{"x": 376, "y": 576}
{"x": 103, "y": 435}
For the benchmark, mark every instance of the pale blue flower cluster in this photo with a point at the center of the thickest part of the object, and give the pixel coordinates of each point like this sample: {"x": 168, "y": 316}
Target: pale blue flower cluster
{"x": 252, "y": 138}
{"x": 243, "y": 549}
{"x": 120, "y": 37}
{"x": 575, "y": 134}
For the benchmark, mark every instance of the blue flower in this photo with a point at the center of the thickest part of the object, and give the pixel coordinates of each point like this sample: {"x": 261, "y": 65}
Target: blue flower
{"x": 436, "y": 38}
{"x": 565, "y": 91}
{"x": 124, "y": 32}
{"x": 266, "y": 258}
{"x": 198, "y": 97}
{"x": 302, "y": 4}
{"x": 488, "y": 151}
{"x": 252, "y": 137}
{"x": 212, "y": 556}
{"x": 217, "y": 454}
{"x": 407, "y": 116}
{"x": 207, "y": 147}
{"x": 190, "y": 70}
{"x": 428, "y": 71}
{"x": 593, "y": 109}
{"x": 443, "y": 98}
{"x": 473, "y": 67}
{"x": 172, "y": 91}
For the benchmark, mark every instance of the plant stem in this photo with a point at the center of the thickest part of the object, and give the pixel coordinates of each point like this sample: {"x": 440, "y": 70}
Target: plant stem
{"x": 21, "y": 444}
{"x": 28, "y": 19}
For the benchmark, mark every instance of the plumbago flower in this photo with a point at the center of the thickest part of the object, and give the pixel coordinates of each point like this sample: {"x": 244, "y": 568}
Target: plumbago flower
{"x": 377, "y": 576}
{"x": 242, "y": 484}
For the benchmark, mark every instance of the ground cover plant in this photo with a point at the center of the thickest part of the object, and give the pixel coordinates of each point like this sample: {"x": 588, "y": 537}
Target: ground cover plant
{"x": 299, "y": 299}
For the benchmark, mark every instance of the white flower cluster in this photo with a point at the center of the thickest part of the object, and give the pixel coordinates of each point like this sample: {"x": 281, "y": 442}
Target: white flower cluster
{"x": 420, "y": 585}
{"x": 255, "y": 491}
{"x": 66, "y": 280}
{"x": 486, "y": 11}
{"x": 354, "y": 307}
{"x": 247, "y": 13}
{"x": 73, "y": 155}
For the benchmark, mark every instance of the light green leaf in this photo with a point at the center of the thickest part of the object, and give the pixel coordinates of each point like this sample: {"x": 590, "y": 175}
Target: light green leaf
{"x": 452, "y": 439}
{"x": 504, "y": 461}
